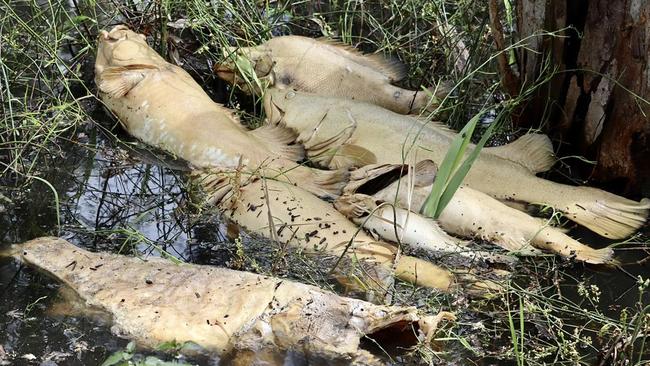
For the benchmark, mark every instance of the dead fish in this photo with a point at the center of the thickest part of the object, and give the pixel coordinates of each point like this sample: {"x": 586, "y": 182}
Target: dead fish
{"x": 328, "y": 68}
{"x": 397, "y": 224}
{"x": 340, "y": 132}
{"x": 471, "y": 213}
{"x": 160, "y": 104}
{"x": 155, "y": 301}
{"x": 290, "y": 215}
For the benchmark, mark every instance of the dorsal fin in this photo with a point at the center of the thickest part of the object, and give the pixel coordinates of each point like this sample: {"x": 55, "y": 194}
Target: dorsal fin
{"x": 280, "y": 140}
{"x": 391, "y": 68}
{"x": 116, "y": 81}
{"x": 534, "y": 151}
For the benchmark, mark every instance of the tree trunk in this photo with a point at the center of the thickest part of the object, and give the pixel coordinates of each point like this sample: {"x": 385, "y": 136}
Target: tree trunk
{"x": 596, "y": 104}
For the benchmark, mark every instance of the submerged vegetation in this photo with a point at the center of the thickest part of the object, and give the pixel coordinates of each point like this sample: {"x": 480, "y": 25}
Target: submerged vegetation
{"x": 67, "y": 169}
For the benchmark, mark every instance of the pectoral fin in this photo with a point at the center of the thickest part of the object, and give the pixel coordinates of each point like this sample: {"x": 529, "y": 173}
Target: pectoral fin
{"x": 116, "y": 81}
{"x": 352, "y": 156}
{"x": 425, "y": 173}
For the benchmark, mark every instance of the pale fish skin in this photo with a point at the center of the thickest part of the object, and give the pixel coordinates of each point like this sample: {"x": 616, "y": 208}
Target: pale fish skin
{"x": 400, "y": 225}
{"x": 340, "y": 132}
{"x": 155, "y": 301}
{"x": 329, "y": 68}
{"x": 160, "y": 104}
{"x": 290, "y": 215}
{"x": 164, "y": 107}
{"x": 471, "y": 213}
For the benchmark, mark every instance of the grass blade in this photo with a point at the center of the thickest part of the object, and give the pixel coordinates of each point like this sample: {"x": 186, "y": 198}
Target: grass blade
{"x": 451, "y": 171}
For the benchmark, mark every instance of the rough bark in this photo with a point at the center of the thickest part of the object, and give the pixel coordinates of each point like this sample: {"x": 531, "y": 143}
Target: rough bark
{"x": 597, "y": 102}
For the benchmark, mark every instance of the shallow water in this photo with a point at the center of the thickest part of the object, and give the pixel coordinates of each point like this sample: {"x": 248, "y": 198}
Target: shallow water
{"x": 119, "y": 197}
{"x": 110, "y": 191}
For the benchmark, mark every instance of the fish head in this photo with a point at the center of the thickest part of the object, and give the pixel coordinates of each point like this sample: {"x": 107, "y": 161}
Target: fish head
{"x": 276, "y": 102}
{"x": 242, "y": 65}
{"x": 124, "y": 47}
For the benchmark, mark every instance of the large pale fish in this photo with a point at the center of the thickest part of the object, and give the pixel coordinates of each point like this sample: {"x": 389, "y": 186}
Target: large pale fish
{"x": 155, "y": 301}
{"x": 160, "y": 104}
{"x": 328, "y": 68}
{"x": 399, "y": 225}
{"x": 290, "y": 215}
{"x": 340, "y": 132}
{"x": 471, "y": 213}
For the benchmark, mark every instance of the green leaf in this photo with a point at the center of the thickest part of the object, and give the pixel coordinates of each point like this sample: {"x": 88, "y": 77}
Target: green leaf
{"x": 166, "y": 346}
{"x": 462, "y": 171}
{"x": 114, "y": 359}
{"x": 448, "y": 168}
{"x": 130, "y": 347}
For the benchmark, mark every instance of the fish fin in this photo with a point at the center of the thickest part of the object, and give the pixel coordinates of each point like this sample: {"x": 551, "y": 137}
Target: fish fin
{"x": 326, "y": 184}
{"x": 512, "y": 242}
{"x": 352, "y": 156}
{"x": 604, "y": 213}
{"x": 116, "y": 81}
{"x": 280, "y": 140}
{"x": 334, "y": 152}
{"x": 425, "y": 173}
{"x": 559, "y": 243}
{"x": 534, "y": 151}
{"x": 354, "y": 206}
{"x": 392, "y": 68}
{"x": 371, "y": 179}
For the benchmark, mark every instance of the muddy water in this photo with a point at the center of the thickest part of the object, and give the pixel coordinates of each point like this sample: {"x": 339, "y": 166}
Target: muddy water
{"x": 111, "y": 191}
{"x": 120, "y": 197}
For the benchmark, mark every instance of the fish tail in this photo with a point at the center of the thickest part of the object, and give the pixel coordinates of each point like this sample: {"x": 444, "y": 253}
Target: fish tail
{"x": 560, "y": 243}
{"x": 602, "y": 212}
{"x": 430, "y": 100}
{"x": 423, "y": 273}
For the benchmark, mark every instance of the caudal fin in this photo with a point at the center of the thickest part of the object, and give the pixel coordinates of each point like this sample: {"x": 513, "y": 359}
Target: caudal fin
{"x": 559, "y": 243}
{"x": 604, "y": 213}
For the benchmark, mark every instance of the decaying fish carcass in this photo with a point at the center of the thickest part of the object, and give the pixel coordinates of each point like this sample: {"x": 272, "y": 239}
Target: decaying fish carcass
{"x": 290, "y": 215}
{"x": 155, "y": 301}
{"x": 470, "y": 213}
{"x": 144, "y": 91}
{"x": 327, "y": 68}
{"x": 160, "y": 104}
{"x": 341, "y": 132}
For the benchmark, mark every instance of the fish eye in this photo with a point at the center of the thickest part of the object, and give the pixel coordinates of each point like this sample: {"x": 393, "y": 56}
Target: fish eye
{"x": 290, "y": 95}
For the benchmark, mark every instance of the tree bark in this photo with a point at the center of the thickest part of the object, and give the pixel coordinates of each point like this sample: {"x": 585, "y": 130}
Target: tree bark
{"x": 597, "y": 101}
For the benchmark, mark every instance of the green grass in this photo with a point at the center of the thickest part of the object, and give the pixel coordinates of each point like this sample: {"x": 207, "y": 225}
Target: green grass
{"x": 46, "y": 57}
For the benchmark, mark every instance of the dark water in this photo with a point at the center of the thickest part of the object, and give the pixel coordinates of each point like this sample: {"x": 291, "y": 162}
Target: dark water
{"x": 109, "y": 192}
{"x": 120, "y": 197}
